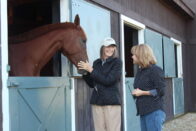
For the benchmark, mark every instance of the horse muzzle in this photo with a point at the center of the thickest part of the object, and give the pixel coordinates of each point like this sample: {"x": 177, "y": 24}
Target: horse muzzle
{"x": 82, "y": 72}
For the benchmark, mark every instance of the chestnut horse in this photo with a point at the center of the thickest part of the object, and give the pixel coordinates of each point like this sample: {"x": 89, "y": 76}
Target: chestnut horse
{"x": 29, "y": 52}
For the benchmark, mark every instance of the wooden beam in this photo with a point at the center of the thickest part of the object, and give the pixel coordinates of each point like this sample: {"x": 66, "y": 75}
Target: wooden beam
{"x": 181, "y": 7}
{"x": 20, "y": 2}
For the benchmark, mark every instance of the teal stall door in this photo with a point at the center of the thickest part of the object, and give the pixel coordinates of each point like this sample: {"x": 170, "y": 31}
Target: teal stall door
{"x": 38, "y": 103}
{"x": 169, "y": 57}
{"x": 132, "y": 121}
{"x": 154, "y": 39}
{"x": 178, "y": 96}
{"x": 96, "y": 23}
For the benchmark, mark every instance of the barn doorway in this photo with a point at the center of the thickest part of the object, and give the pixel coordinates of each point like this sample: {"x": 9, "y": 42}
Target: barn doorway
{"x": 132, "y": 33}
{"x": 130, "y": 39}
{"x": 25, "y": 15}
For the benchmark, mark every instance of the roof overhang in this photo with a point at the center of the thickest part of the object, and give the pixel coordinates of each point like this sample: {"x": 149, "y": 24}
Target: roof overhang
{"x": 181, "y": 7}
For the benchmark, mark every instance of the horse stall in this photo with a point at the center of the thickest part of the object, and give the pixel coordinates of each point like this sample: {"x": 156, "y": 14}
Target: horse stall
{"x": 39, "y": 80}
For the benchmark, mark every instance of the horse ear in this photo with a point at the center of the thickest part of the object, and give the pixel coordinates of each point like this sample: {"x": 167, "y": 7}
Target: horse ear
{"x": 77, "y": 20}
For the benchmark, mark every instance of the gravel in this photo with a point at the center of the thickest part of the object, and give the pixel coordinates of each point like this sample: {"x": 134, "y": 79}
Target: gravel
{"x": 186, "y": 122}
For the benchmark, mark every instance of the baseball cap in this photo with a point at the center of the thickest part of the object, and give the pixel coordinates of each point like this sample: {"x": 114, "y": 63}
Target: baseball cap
{"x": 108, "y": 41}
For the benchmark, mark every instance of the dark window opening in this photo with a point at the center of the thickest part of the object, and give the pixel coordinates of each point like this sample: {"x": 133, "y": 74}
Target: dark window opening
{"x": 131, "y": 39}
{"x": 27, "y": 15}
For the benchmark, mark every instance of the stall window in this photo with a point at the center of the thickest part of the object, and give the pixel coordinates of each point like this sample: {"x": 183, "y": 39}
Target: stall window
{"x": 25, "y": 16}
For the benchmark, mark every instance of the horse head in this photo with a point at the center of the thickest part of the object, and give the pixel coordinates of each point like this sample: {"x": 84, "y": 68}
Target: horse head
{"x": 75, "y": 47}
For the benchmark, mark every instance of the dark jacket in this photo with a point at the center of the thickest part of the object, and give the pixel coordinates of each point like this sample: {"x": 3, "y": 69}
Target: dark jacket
{"x": 105, "y": 81}
{"x": 148, "y": 79}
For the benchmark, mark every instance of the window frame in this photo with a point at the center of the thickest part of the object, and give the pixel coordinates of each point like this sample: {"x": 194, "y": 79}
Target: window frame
{"x": 178, "y": 44}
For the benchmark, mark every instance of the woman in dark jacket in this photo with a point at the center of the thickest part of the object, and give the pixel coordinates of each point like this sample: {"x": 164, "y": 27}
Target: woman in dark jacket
{"x": 149, "y": 89}
{"x": 104, "y": 78}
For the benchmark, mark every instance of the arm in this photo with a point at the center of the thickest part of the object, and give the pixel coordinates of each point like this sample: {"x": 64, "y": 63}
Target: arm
{"x": 139, "y": 92}
{"x": 89, "y": 80}
{"x": 153, "y": 92}
{"x": 158, "y": 81}
{"x": 112, "y": 76}
{"x": 157, "y": 77}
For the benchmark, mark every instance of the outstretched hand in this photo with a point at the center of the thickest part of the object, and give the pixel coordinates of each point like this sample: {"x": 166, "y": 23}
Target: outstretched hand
{"x": 137, "y": 92}
{"x": 85, "y": 66}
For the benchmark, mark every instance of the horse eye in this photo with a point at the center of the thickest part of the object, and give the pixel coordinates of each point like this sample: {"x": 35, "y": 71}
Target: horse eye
{"x": 84, "y": 41}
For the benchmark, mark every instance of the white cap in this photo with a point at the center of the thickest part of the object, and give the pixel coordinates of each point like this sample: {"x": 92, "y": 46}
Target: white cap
{"x": 108, "y": 41}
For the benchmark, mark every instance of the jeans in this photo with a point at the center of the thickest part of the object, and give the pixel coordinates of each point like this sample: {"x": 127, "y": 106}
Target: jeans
{"x": 153, "y": 121}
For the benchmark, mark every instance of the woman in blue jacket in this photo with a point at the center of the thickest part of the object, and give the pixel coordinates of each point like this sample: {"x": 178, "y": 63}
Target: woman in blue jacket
{"x": 149, "y": 89}
{"x": 104, "y": 77}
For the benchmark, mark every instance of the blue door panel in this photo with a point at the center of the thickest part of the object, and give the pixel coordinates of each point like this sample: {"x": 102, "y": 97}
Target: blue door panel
{"x": 28, "y": 120}
{"x": 38, "y": 103}
{"x": 39, "y": 99}
{"x": 169, "y": 57}
{"x": 154, "y": 39}
{"x": 132, "y": 121}
{"x": 96, "y": 23}
{"x": 37, "y": 82}
{"x": 178, "y": 96}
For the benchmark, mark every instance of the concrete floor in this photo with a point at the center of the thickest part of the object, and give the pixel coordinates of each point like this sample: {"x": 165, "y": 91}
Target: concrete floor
{"x": 186, "y": 122}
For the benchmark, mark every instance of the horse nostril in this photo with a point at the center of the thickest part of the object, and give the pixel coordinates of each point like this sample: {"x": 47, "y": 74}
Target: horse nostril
{"x": 82, "y": 72}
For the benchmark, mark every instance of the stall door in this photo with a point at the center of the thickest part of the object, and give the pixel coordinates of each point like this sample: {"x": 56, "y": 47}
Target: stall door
{"x": 178, "y": 96}
{"x": 154, "y": 39}
{"x": 169, "y": 57}
{"x": 38, "y": 103}
{"x": 132, "y": 121}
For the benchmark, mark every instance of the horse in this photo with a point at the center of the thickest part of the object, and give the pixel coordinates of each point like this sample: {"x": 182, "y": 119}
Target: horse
{"x": 30, "y": 51}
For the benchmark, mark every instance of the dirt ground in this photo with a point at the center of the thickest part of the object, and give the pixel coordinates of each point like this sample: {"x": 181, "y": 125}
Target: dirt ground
{"x": 186, "y": 122}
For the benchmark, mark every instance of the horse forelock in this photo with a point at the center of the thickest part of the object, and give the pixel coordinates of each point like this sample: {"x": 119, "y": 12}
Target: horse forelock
{"x": 32, "y": 34}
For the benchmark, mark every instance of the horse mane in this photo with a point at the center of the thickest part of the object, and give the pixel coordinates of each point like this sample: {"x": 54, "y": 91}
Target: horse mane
{"x": 39, "y": 31}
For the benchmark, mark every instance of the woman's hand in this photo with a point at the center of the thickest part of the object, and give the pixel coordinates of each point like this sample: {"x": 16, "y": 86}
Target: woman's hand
{"x": 138, "y": 92}
{"x": 85, "y": 66}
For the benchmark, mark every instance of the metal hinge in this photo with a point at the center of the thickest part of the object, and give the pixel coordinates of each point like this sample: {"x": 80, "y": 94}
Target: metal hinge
{"x": 12, "y": 84}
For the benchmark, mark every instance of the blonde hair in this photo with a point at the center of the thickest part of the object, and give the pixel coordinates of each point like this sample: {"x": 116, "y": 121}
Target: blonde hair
{"x": 115, "y": 54}
{"x": 144, "y": 54}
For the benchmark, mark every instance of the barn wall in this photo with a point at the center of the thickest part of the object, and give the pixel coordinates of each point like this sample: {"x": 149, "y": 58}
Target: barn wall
{"x": 190, "y": 61}
{"x": 84, "y": 119}
{"x": 168, "y": 107}
{"x": 115, "y": 24}
{"x": 189, "y": 65}
{"x": 153, "y": 13}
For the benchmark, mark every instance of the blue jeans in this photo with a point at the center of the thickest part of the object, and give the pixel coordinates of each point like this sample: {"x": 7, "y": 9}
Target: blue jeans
{"x": 153, "y": 121}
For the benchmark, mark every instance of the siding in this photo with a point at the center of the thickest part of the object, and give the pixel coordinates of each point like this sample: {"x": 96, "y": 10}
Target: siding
{"x": 168, "y": 107}
{"x": 84, "y": 119}
{"x": 189, "y": 75}
{"x": 190, "y": 62}
{"x": 152, "y": 13}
